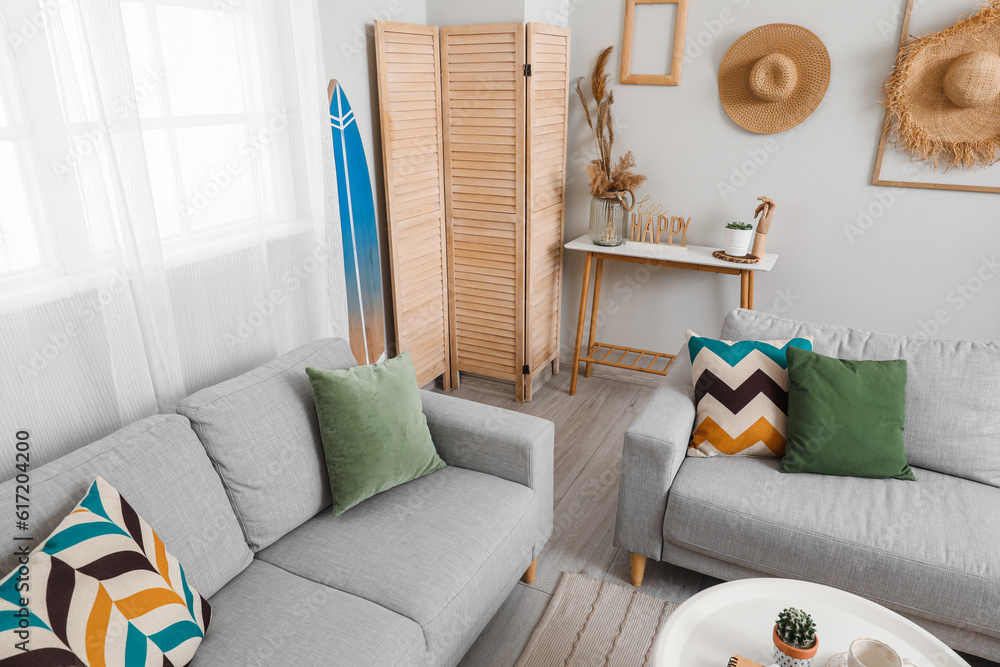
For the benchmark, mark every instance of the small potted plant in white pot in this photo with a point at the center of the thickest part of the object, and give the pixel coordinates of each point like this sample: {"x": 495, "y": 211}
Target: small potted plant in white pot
{"x": 795, "y": 639}
{"x": 738, "y": 238}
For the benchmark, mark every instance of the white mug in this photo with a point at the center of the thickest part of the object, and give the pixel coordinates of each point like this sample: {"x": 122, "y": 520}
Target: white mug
{"x": 873, "y": 653}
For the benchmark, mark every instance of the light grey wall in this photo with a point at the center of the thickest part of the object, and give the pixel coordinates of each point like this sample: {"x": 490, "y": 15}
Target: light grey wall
{"x": 349, "y": 49}
{"x": 897, "y": 260}
{"x": 465, "y": 12}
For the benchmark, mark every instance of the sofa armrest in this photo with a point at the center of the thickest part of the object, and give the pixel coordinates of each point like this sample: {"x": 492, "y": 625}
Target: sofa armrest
{"x": 506, "y": 444}
{"x": 655, "y": 446}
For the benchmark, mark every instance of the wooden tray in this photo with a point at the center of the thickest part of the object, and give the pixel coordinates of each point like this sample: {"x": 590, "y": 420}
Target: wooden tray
{"x": 746, "y": 259}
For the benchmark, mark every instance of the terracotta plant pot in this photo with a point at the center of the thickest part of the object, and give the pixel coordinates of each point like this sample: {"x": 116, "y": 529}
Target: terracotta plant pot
{"x": 791, "y": 656}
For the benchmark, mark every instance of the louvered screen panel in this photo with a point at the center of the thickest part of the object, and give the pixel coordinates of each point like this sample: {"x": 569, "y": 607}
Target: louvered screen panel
{"x": 409, "y": 88}
{"x": 548, "y": 87}
{"x": 484, "y": 96}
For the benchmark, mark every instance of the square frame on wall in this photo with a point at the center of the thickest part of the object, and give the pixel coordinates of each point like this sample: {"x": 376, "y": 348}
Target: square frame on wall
{"x": 677, "y": 57}
{"x": 893, "y": 167}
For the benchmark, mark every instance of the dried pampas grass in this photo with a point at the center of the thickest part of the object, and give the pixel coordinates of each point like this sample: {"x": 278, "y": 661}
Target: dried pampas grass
{"x": 606, "y": 178}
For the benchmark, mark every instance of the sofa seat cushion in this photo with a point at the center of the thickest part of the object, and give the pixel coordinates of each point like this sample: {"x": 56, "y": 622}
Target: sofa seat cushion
{"x": 267, "y": 617}
{"x": 158, "y": 464}
{"x": 437, "y": 550}
{"x": 927, "y": 548}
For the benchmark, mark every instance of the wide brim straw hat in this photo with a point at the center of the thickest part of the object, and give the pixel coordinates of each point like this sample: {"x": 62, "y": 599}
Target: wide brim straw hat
{"x": 772, "y": 78}
{"x": 943, "y": 97}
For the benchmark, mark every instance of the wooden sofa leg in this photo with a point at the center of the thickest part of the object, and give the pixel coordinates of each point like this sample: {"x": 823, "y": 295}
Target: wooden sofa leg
{"x": 529, "y": 574}
{"x": 638, "y": 569}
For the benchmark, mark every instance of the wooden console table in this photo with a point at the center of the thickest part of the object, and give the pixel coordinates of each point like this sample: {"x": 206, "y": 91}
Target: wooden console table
{"x": 692, "y": 258}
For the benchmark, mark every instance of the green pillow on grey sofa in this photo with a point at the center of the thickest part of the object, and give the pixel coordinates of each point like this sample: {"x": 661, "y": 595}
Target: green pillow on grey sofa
{"x": 913, "y": 547}
{"x": 374, "y": 432}
{"x": 952, "y": 392}
{"x": 846, "y": 417}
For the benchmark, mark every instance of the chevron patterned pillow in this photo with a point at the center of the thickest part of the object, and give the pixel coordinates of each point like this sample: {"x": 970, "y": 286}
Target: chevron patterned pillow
{"x": 741, "y": 394}
{"x": 100, "y": 590}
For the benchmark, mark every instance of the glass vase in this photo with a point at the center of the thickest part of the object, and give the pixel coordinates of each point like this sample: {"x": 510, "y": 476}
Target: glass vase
{"x": 607, "y": 221}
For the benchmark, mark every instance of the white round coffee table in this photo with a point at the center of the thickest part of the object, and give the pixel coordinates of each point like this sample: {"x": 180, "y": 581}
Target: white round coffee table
{"x": 738, "y": 616}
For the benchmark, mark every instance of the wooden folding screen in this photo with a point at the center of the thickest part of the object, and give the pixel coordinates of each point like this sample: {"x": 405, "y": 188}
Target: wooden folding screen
{"x": 482, "y": 74}
{"x": 503, "y": 123}
{"x": 547, "y": 124}
{"x": 410, "y": 111}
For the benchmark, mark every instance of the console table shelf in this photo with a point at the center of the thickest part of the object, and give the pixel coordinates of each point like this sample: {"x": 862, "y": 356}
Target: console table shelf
{"x": 690, "y": 258}
{"x": 637, "y": 364}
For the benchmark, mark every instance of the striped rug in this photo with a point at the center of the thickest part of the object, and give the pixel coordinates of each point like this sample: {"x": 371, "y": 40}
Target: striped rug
{"x": 594, "y": 623}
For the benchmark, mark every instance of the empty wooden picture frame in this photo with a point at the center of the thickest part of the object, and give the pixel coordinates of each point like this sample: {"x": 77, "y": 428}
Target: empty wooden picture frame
{"x": 673, "y": 78}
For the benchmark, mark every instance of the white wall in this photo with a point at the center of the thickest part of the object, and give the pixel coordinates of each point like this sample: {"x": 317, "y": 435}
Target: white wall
{"x": 464, "y": 12}
{"x": 902, "y": 268}
{"x": 897, "y": 275}
{"x": 349, "y": 48}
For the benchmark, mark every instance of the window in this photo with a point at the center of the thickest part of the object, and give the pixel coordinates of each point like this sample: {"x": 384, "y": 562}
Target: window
{"x": 20, "y": 246}
{"x": 208, "y": 91}
{"x": 194, "y": 117}
{"x": 212, "y": 153}
{"x": 215, "y": 159}
{"x": 162, "y": 185}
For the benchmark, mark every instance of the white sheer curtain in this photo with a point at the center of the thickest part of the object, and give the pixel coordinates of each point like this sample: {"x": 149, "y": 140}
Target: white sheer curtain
{"x": 167, "y": 206}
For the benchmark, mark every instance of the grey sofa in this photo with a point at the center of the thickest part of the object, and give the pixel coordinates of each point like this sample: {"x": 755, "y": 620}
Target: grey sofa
{"x": 928, "y": 549}
{"x": 235, "y": 484}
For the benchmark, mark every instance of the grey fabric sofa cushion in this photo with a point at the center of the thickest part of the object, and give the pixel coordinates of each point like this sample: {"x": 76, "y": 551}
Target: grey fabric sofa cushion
{"x": 261, "y": 433}
{"x": 921, "y": 547}
{"x": 503, "y": 443}
{"x": 439, "y": 550}
{"x": 952, "y": 389}
{"x": 267, "y": 617}
{"x": 161, "y": 469}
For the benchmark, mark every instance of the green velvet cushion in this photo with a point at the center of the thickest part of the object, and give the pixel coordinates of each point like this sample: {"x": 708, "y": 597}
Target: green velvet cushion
{"x": 374, "y": 432}
{"x": 845, "y": 417}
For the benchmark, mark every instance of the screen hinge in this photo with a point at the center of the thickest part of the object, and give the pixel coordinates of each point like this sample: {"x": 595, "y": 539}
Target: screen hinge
{"x": 525, "y": 370}
{"x": 527, "y": 69}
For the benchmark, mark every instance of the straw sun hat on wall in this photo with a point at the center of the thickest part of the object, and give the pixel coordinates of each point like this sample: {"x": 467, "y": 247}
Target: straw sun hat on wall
{"x": 943, "y": 97}
{"x": 772, "y": 78}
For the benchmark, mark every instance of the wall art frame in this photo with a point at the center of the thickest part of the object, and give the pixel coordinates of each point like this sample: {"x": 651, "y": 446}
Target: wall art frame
{"x": 883, "y": 144}
{"x": 673, "y": 78}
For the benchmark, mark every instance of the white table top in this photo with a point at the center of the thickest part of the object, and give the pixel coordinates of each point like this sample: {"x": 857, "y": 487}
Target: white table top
{"x": 738, "y": 617}
{"x": 692, "y": 254}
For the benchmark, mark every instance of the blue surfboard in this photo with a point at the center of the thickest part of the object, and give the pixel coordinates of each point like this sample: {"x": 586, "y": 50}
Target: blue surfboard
{"x": 360, "y": 234}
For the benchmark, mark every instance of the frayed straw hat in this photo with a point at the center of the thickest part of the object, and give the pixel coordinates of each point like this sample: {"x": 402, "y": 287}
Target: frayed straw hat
{"x": 773, "y": 77}
{"x": 943, "y": 98}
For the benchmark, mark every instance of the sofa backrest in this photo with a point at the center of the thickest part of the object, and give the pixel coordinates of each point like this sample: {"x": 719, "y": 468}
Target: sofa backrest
{"x": 261, "y": 433}
{"x": 161, "y": 469}
{"x": 952, "y": 389}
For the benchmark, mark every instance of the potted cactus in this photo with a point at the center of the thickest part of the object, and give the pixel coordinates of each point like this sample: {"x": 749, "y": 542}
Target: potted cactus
{"x": 795, "y": 640}
{"x": 738, "y": 238}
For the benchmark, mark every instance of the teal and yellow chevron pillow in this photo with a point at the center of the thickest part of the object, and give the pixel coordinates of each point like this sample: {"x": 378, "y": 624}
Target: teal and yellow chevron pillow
{"x": 741, "y": 394}
{"x": 100, "y": 591}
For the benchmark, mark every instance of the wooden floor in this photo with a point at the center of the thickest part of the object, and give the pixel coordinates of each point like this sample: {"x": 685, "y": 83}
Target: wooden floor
{"x": 590, "y": 428}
